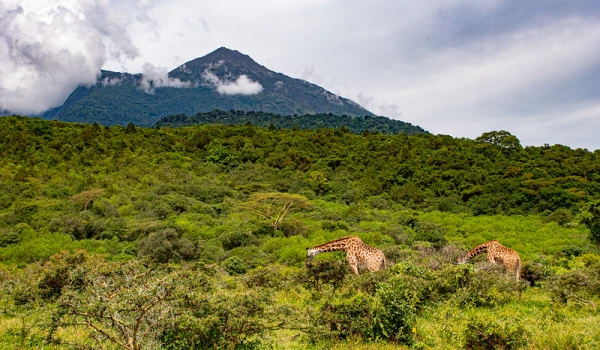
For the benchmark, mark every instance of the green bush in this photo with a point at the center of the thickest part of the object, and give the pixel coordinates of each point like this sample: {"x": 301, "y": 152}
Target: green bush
{"x": 487, "y": 286}
{"x": 234, "y": 266}
{"x": 9, "y": 238}
{"x": 323, "y": 273}
{"x": 223, "y": 321}
{"x": 233, "y": 239}
{"x": 483, "y": 333}
{"x": 430, "y": 232}
{"x": 166, "y": 246}
{"x": 395, "y": 314}
{"x": 349, "y": 317}
{"x": 560, "y": 216}
{"x": 578, "y": 285}
{"x": 270, "y": 276}
{"x": 293, "y": 227}
{"x": 533, "y": 272}
{"x": 57, "y": 274}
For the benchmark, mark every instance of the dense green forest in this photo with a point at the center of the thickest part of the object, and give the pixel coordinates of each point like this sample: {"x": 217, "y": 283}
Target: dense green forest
{"x": 129, "y": 237}
{"x": 354, "y": 125}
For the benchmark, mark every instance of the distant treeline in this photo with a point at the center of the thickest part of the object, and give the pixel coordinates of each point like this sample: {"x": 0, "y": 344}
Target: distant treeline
{"x": 354, "y": 125}
{"x": 490, "y": 175}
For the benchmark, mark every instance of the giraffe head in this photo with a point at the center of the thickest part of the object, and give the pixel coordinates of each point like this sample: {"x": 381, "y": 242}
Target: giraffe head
{"x": 310, "y": 254}
{"x": 461, "y": 260}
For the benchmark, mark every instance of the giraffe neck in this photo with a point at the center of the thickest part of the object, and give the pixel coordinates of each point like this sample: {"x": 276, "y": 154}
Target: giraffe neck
{"x": 333, "y": 246}
{"x": 480, "y": 249}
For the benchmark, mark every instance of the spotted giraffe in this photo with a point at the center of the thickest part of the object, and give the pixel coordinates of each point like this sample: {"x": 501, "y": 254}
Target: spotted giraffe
{"x": 357, "y": 253}
{"x": 497, "y": 254}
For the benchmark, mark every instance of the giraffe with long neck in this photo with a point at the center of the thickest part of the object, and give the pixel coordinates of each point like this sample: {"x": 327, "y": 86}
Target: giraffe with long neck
{"x": 357, "y": 253}
{"x": 497, "y": 254}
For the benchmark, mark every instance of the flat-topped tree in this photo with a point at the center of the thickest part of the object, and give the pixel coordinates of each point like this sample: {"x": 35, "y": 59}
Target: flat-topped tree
{"x": 274, "y": 206}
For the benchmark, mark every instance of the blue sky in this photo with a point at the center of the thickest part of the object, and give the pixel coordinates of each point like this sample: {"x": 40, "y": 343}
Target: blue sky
{"x": 454, "y": 67}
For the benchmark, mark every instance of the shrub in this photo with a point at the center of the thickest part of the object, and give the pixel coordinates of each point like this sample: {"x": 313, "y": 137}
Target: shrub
{"x": 165, "y": 246}
{"x": 223, "y": 321}
{"x": 430, "y": 232}
{"x": 334, "y": 225}
{"x": 293, "y": 227}
{"x": 234, "y": 239}
{"x": 560, "y": 216}
{"x": 488, "y": 286}
{"x": 270, "y": 276}
{"x": 395, "y": 314}
{"x": 9, "y": 238}
{"x": 534, "y": 272}
{"x": 128, "y": 304}
{"x": 579, "y": 285}
{"x": 56, "y": 275}
{"x": 234, "y": 266}
{"x": 482, "y": 333}
{"x": 367, "y": 282}
{"x": 349, "y": 317}
{"x": 323, "y": 273}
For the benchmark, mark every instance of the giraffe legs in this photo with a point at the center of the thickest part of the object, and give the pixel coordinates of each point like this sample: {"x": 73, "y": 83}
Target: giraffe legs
{"x": 351, "y": 258}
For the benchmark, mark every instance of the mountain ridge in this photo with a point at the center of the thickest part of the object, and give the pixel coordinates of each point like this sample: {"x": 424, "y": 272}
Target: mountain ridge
{"x": 223, "y": 79}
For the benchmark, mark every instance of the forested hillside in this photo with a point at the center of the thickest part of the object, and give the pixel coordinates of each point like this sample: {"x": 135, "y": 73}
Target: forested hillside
{"x": 307, "y": 121}
{"x": 197, "y": 86}
{"x": 195, "y": 237}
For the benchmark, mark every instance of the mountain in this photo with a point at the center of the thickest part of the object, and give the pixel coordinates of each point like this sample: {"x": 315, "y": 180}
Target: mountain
{"x": 224, "y": 79}
{"x": 307, "y": 121}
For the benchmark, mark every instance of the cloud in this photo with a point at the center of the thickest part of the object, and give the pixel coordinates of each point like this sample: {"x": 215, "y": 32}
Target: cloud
{"x": 157, "y": 77}
{"x": 390, "y": 110}
{"x": 111, "y": 82}
{"x": 49, "y": 48}
{"x": 241, "y": 86}
{"x": 505, "y": 81}
{"x": 204, "y": 24}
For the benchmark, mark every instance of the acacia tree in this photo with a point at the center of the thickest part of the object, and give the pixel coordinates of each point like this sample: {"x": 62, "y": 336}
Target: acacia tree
{"x": 274, "y": 206}
{"x": 86, "y": 197}
{"x": 124, "y": 304}
{"x": 590, "y": 217}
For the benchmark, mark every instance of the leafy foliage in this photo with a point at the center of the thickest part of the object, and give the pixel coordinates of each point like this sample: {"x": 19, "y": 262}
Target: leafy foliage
{"x": 184, "y": 197}
{"x": 343, "y": 123}
{"x": 591, "y": 218}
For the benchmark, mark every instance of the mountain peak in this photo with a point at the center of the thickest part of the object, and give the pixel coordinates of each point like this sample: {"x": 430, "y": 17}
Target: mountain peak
{"x": 224, "y": 79}
{"x": 231, "y": 57}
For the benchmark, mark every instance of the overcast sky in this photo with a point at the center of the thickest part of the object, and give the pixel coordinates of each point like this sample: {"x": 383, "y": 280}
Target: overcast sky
{"x": 456, "y": 67}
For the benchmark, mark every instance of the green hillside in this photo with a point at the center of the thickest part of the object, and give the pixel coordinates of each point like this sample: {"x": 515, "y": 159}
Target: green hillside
{"x": 131, "y": 237}
{"x": 120, "y": 99}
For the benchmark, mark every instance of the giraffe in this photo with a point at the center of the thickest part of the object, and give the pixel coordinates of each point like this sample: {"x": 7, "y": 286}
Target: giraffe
{"x": 497, "y": 254}
{"x": 357, "y": 253}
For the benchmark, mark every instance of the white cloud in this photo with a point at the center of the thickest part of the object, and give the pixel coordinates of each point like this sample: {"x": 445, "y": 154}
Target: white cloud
{"x": 157, "y": 77}
{"x": 111, "y": 82}
{"x": 48, "y": 48}
{"x": 241, "y": 86}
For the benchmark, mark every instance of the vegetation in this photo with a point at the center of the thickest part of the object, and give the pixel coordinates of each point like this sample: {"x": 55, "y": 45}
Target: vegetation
{"x": 356, "y": 125}
{"x": 195, "y": 237}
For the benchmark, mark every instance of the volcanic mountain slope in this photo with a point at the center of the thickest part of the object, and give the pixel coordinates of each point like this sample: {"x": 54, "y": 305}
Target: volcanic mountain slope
{"x": 224, "y": 79}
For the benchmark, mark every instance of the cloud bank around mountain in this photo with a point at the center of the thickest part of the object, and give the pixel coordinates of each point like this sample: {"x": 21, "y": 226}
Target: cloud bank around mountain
{"x": 157, "y": 77}
{"x": 240, "y": 86}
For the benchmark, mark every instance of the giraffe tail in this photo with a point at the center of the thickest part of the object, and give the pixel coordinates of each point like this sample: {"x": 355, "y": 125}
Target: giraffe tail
{"x": 518, "y": 270}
